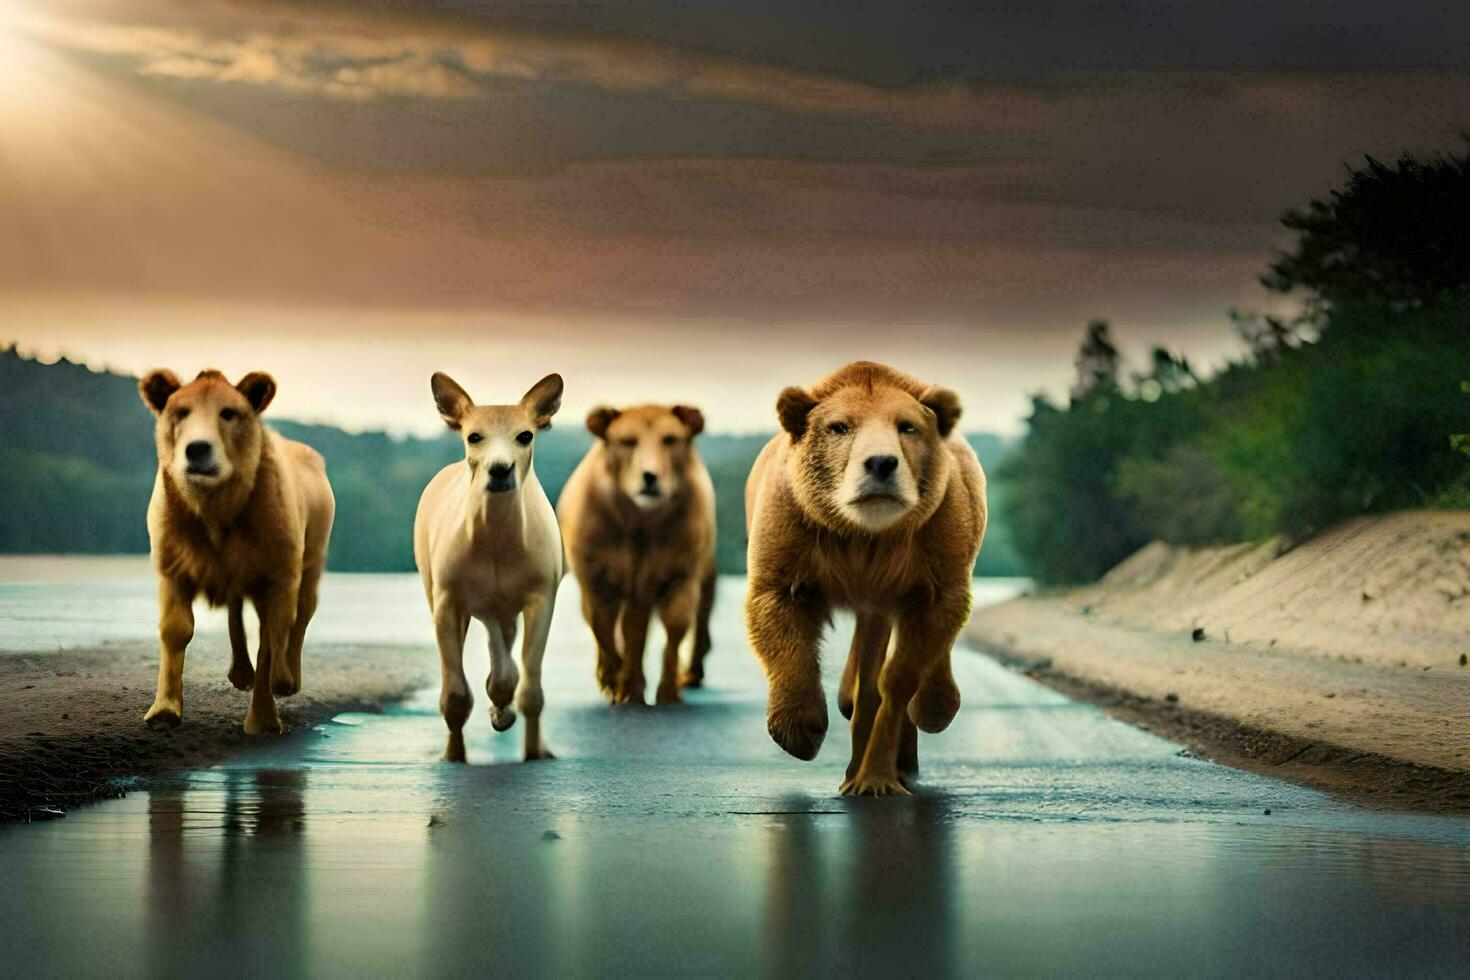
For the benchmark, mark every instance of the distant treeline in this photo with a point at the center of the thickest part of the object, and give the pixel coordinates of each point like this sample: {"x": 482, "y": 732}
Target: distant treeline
{"x": 77, "y": 464}
{"x": 1352, "y": 407}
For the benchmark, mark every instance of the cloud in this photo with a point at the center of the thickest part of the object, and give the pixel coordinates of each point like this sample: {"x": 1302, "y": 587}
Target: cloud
{"x": 370, "y": 56}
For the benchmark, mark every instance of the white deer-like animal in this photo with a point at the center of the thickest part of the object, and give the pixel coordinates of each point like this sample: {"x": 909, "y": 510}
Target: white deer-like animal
{"x": 486, "y": 542}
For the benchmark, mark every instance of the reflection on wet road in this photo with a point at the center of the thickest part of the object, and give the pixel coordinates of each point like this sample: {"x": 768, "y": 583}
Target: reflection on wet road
{"x": 1047, "y": 839}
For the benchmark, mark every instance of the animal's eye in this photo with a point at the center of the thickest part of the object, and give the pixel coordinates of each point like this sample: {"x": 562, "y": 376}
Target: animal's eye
{"x": 181, "y": 414}
{"x": 838, "y": 428}
{"x": 525, "y": 438}
{"x": 670, "y": 440}
{"x": 906, "y": 428}
{"x": 473, "y": 438}
{"x": 228, "y": 414}
{"x": 629, "y": 443}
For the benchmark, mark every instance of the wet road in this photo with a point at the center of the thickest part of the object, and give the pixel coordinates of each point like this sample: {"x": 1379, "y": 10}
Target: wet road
{"x": 1046, "y": 839}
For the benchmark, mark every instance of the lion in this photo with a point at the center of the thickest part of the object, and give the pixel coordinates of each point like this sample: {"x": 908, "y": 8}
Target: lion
{"x": 638, "y": 520}
{"x": 238, "y": 512}
{"x": 868, "y": 501}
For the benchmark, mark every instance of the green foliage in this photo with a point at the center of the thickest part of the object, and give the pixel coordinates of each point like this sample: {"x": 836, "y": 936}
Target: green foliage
{"x": 1346, "y": 409}
{"x": 1393, "y": 235}
{"x": 1355, "y": 423}
{"x": 77, "y": 464}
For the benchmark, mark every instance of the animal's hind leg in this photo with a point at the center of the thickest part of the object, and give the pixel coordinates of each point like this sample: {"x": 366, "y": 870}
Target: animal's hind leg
{"x": 241, "y": 674}
{"x": 864, "y": 664}
{"x": 455, "y": 699}
{"x": 675, "y": 615}
{"x": 908, "y": 753}
{"x": 175, "y": 630}
{"x": 865, "y": 630}
{"x": 277, "y": 611}
{"x": 501, "y": 684}
{"x": 925, "y": 635}
{"x": 305, "y": 609}
{"x": 694, "y": 675}
{"x": 529, "y": 697}
{"x": 283, "y": 681}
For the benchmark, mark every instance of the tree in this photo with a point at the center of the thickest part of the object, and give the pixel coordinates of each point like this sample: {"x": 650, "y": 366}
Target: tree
{"x": 1392, "y": 235}
{"x": 1097, "y": 362}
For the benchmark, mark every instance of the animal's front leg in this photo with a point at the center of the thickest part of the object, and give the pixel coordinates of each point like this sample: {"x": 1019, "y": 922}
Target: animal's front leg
{"x": 455, "y": 699}
{"x": 634, "y": 628}
{"x": 175, "y": 630}
{"x": 602, "y": 618}
{"x": 277, "y": 611}
{"x": 500, "y": 686}
{"x": 676, "y": 614}
{"x": 864, "y": 665}
{"x": 529, "y": 697}
{"x": 694, "y": 676}
{"x": 925, "y": 633}
{"x": 785, "y": 628}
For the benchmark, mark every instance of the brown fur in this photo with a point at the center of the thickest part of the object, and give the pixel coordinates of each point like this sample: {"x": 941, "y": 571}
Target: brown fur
{"x": 901, "y": 559}
{"x": 256, "y": 529}
{"x": 630, "y": 558}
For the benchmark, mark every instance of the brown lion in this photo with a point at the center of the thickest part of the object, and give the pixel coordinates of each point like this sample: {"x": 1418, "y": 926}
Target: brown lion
{"x": 866, "y": 501}
{"x": 638, "y": 520}
{"x": 238, "y": 512}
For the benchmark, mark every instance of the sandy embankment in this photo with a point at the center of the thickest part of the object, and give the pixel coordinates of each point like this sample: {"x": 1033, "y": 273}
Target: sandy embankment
{"x": 72, "y": 725}
{"x": 1339, "y": 663}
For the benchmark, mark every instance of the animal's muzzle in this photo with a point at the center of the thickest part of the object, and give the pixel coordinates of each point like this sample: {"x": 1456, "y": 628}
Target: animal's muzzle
{"x": 881, "y": 467}
{"x": 502, "y": 478}
{"x": 200, "y": 457}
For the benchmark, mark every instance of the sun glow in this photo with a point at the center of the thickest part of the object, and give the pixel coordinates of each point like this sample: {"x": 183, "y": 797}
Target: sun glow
{"x": 31, "y": 75}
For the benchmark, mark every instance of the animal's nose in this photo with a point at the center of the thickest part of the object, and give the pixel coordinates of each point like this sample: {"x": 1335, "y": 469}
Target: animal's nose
{"x": 499, "y": 471}
{"x": 198, "y": 451}
{"x": 650, "y": 480}
{"x": 881, "y": 467}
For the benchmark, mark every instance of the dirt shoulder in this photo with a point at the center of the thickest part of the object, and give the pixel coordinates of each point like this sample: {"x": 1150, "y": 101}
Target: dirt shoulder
{"x": 72, "y": 730}
{"x": 1336, "y": 664}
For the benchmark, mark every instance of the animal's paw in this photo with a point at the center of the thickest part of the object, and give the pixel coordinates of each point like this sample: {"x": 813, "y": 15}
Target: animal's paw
{"x": 867, "y": 785}
{"x": 284, "y": 687}
{"x": 668, "y": 694}
{"x": 799, "y": 724}
{"x": 263, "y": 724}
{"x": 607, "y": 674}
{"x": 539, "y": 753}
{"x": 241, "y": 675}
{"x": 502, "y": 718}
{"x": 936, "y": 702}
{"x": 629, "y": 692}
{"x": 164, "y": 715}
{"x": 692, "y": 678}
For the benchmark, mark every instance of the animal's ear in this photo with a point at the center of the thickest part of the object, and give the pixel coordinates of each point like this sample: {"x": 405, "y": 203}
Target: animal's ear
{"x": 258, "y": 388}
{"x": 544, "y": 399}
{"x": 945, "y": 405}
{"x": 692, "y": 418}
{"x": 156, "y": 388}
{"x": 792, "y": 407}
{"x": 452, "y": 400}
{"x": 599, "y": 419}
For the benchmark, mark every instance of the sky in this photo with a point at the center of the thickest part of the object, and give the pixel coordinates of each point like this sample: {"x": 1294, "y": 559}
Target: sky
{"x": 667, "y": 201}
